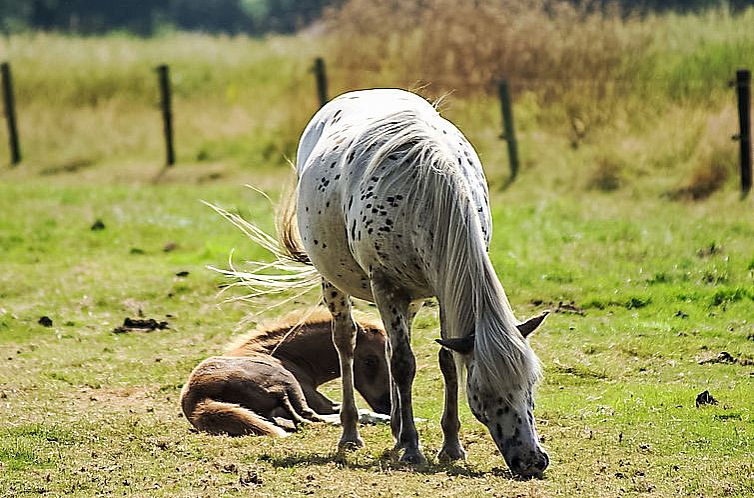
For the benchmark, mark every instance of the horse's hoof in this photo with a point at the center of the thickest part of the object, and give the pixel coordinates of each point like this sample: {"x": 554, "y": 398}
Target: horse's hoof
{"x": 350, "y": 444}
{"x": 452, "y": 454}
{"x": 414, "y": 457}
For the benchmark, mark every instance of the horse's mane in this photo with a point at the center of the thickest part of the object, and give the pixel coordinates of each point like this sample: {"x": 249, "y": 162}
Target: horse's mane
{"x": 469, "y": 290}
{"x": 268, "y": 336}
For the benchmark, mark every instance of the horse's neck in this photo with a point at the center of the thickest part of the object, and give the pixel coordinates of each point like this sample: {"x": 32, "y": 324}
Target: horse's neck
{"x": 310, "y": 352}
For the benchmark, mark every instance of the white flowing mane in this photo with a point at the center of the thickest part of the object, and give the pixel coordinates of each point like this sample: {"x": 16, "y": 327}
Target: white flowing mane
{"x": 470, "y": 292}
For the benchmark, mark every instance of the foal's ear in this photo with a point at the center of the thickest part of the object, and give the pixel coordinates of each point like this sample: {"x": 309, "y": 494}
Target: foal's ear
{"x": 531, "y": 324}
{"x": 463, "y": 345}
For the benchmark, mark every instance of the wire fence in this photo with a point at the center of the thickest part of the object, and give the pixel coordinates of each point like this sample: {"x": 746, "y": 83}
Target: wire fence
{"x": 602, "y": 90}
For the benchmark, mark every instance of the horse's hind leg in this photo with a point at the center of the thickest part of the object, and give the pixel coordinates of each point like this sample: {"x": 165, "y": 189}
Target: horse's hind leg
{"x": 395, "y": 409}
{"x": 299, "y": 413}
{"x": 318, "y": 402}
{"x": 296, "y": 401}
{"x": 344, "y": 338}
{"x": 394, "y": 310}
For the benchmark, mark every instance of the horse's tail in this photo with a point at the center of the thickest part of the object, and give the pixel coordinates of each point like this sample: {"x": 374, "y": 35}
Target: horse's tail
{"x": 290, "y": 268}
{"x": 217, "y": 417}
{"x": 288, "y": 234}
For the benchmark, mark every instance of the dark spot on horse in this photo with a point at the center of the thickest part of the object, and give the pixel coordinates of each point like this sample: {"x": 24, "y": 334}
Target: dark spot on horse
{"x": 370, "y": 231}
{"x": 334, "y": 294}
{"x": 499, "y": 412}
{"x": 327, "y": 204}
{"x": 337, "y": 177}
{"x": 316, "y": 242}
{"x": 499, "y": 431}
{"x": 324, "y": 246}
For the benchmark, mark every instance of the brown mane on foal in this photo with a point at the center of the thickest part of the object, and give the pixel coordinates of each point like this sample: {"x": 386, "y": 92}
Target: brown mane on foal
{"x": 266, "y": 337}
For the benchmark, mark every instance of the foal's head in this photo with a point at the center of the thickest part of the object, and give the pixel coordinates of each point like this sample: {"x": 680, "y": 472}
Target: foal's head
{"x": 507, "y": 411}
{"x": 371, "y": 374}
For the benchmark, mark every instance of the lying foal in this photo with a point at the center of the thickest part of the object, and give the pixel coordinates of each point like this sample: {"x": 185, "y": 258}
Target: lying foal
{"x": 275, "y": 373}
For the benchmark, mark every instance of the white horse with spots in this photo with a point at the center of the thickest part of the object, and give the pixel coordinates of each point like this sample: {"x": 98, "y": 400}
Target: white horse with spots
{"x": 392, "y": 207}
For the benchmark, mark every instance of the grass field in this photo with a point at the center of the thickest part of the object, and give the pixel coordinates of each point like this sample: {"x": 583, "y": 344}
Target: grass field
{"x": 656, "y": 287}
{"x": 625, "y": 219}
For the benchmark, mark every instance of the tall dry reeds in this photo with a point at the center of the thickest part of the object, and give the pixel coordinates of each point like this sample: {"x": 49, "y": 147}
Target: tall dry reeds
{"x": 465, "y": 45}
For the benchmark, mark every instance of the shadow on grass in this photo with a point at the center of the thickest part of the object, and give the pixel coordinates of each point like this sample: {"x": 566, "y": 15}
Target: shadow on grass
{"x": 386, "y": 461}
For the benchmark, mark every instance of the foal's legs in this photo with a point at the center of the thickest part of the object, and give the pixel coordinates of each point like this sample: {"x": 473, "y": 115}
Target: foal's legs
{"x": 344, "y": 338}
{"x": 394, "y": 310}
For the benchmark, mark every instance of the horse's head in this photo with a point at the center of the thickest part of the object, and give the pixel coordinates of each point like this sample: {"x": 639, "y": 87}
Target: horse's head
{"x": 371, "y": 373}
{"x": 507, "y": 411}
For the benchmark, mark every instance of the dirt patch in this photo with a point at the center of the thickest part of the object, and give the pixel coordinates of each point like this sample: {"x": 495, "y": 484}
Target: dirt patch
{"x": 140, "y": 325}
{"x": 569, "y": 308}
{"x": 727, "y": 358}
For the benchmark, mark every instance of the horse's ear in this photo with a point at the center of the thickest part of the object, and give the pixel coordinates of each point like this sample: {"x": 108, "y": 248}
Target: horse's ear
{"x": 463, "y": 345}
{"x": 531, "y": 324}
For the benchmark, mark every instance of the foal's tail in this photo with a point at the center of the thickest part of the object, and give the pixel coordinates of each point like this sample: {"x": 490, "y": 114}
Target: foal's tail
{"x": 216, "y": 417}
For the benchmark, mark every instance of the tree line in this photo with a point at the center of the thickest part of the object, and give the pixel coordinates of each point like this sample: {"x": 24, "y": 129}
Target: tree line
{"x": 148, "y": 17}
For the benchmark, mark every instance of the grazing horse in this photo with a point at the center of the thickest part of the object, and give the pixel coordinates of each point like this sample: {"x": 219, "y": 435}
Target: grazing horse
{"x": 275, "y": 373}
{"x": 391, "y": 206}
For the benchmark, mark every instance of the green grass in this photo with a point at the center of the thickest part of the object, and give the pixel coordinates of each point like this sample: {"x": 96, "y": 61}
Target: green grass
{"x": 661, "y": 286}
{"x": 598, "y": 226}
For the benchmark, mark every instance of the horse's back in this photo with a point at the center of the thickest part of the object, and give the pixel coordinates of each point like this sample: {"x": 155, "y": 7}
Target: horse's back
{"x": 361, "y": 161}
{"x": 351, "y": 110}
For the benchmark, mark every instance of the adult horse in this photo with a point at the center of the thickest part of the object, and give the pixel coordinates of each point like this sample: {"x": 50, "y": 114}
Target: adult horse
{"x": 392, "y": 207}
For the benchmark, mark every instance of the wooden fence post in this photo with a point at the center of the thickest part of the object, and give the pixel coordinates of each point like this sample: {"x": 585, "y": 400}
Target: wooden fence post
{"x": 10, "y": 114}
{"x": 743, "y": 91}
{"x": 320, "y": 75}
{"x": 509, "y": 133}
{"x": 163, "y": 73}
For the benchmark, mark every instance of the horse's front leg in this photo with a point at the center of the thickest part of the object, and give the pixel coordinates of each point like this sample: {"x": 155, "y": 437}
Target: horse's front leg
{"x": 394, "y": 310}
{"x": 451, "y": 445}
{"x": 344, "y": 338}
